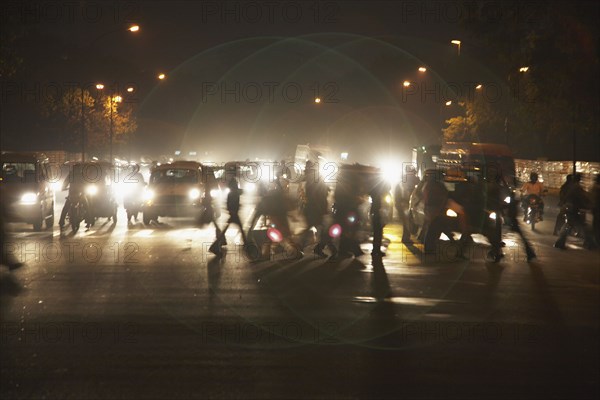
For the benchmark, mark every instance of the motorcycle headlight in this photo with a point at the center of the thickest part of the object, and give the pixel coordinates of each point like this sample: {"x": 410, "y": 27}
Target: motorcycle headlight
{"x": 493, "y": 216}
{"x": 194, "y": 194}
{"x": 91, "y": 190}
{"x": 148, "y": 195}
{"x": 29, "y": 198}
{"x": 507, "y": 199}
{"x": 451, "y": 213}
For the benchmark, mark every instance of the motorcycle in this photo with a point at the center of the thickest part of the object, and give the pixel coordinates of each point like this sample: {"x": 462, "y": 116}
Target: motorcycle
{"x": 133, "y": 202}
{"x": 569, "y": 218}
{"x": 77, "y": 212}
{"x": 533, "y": 210}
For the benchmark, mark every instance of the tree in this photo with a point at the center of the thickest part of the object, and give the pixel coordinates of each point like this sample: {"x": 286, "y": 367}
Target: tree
{"x": 558, "y": 94}
{"x": 66, "y": 111}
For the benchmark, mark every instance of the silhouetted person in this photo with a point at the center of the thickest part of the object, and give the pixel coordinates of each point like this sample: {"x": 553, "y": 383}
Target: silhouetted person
{"x": 315, "y": 209}
{"x": 7, "y": 259}
{"x": 233, "y": 208}
{"x": 377, "y": 193}
{"x": 514, "y": 223}
{"x": 75, "y": 182}
{"x": 576, "y": 200}
{"x": 346, "y": 214}
{"x": 402, "y": 197}
{"x": 560, "y": 217}
{"x": 435, "y": 198}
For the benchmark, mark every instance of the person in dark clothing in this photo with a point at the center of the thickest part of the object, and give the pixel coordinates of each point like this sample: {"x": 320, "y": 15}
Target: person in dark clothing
{"x": 576, "y": 199}
{"x": 377, "y": 193}
{"x": 560, "y": 217}
{"x": 6, "y": 258}
{"x": 75, "y": 183}
{"x": 315, "y": 209}
{"x": 233, "y": 208}
{"x": 435, "y": 198}
{"x": 401, "y": 198}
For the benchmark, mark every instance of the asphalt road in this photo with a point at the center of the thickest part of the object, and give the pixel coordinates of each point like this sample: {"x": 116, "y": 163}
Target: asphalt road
{"x": 148, "y": 313}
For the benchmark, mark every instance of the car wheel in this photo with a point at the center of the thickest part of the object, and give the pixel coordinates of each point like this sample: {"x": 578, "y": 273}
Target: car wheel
{"x": 37, "y": 225}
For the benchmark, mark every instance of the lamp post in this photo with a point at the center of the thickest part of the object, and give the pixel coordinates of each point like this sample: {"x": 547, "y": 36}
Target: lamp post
{"x": 131, "y": 28}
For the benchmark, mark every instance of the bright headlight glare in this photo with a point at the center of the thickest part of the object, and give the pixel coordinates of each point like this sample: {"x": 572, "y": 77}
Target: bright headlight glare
{"x": 148, "y": 194}
{"x": 213, "y": 192}
{"x": 451, "y": 213}
{"x": 251, "y": 187}
{"x": 92, "y": 190}
{"x": 388, "y": 199}
{"x": 29, "y": 198}
{"x": 194, "y": 194}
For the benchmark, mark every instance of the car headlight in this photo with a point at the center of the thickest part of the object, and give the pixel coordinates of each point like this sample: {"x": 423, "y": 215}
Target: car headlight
{"x": 451, "y": 213}
{"x": 493, "y": 216}
{"x": 91, "y": 190}
{"x": 148, "y": 195}
{"x": 507, "y": 200}
{"x": 29, "y": 198}
{"x": 388, "y": 199}
{"x": 194, "y": 194}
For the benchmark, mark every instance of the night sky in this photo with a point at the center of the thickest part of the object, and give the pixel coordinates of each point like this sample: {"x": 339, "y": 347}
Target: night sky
{"x": 242, "y": 77}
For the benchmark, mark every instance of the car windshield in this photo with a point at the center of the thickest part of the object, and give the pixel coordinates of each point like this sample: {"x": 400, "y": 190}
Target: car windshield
{"x": 18, "y": 171}
{"x": 175, "y": 175}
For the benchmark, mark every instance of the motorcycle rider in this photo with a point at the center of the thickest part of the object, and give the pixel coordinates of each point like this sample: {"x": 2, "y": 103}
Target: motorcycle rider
{"x": 560, "y": 217}
{"x": 532, "y": 188}
{"x": 75, "y": 183}
{"x": 132, "y": 199}
{"x": 576, "y": 199}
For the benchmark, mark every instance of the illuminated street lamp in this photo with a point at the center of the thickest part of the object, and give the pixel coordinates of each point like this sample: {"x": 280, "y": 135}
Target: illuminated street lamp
{"x": 457, "y": 43}
{"x": 130, "y": 90}
{"x": 406, "y": 83}
{"x": 422, "y": 69}
{"x": 317, "y": 100}
{"x": 449, "y": 103}
{"x": 523, "y": 69}
{"x": 478, "y": 87}
{"x": 134, "y": 28}
{"x": 161, "y": 76}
